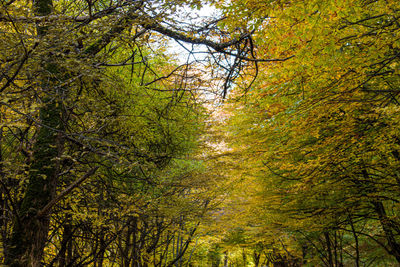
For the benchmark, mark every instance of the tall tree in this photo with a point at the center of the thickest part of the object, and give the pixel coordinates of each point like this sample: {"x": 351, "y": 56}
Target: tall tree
{"x": 52, "y": 90}
{"x": 321, "y": 127}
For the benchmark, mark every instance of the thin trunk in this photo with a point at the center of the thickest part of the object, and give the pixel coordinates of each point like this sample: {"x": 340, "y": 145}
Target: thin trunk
{"x": 357, "y": 259}
{"x": 304, "y": 254}
{"x": 387, "y": 226}
{"x": 335, "y": 249}
{"x": 168, "y": 240}
{"x": 134, "y": 253}
{"x": 244, "y": 258}
{"x": 127, "y": 259}
{"x": 329, "y": 249}
{"x": 102, "y": 250}
{"x": 256, "y": 258}
{"x": 67, "y": 236}
{"x": 341, "y": 251}
{"x": 2, "y": 178}
{"x": 3, "y": 196}
{"x": 184, "y": 247}
{"x": 69, "y": 252}
{"x": 388, "y": 229}
{"x": 226, "y": 259}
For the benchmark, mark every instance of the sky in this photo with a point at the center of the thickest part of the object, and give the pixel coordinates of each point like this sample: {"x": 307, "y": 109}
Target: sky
{"x": 206, "y": 12}
{"x": 211, "y": 93}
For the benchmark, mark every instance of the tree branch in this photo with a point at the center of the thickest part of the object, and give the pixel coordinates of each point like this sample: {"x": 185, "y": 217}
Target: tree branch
{"x": 65, "y": 192}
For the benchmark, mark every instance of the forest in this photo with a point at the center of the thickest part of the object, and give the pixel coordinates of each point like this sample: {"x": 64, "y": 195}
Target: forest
{"x": 197, "y": 133}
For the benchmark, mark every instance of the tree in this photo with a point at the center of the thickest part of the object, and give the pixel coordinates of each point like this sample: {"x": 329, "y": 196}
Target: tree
{"x": 321, "y": 127}
{"x": 64, "y": 125}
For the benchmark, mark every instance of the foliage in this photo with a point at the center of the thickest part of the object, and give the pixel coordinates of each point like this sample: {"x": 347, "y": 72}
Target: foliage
{"x": 320, "y": 129}
{"x": 108, "y": 154}
{"x": 100, "y": 134}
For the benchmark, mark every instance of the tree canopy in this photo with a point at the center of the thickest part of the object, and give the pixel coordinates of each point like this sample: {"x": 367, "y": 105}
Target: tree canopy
{"x": 273, "y": 141}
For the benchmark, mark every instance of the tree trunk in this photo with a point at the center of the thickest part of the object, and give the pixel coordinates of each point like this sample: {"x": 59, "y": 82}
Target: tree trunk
{"x": 256, "y": 258}
{"x": 226, "y": 259}
{"x": 65, "y": 243}
{"x": 329, "y": 249}
{"x": 357, "y": 249}
{"x": 388, "y": 229}
{"x": 102, "y": 250}
{"x": 30, "y": 232}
